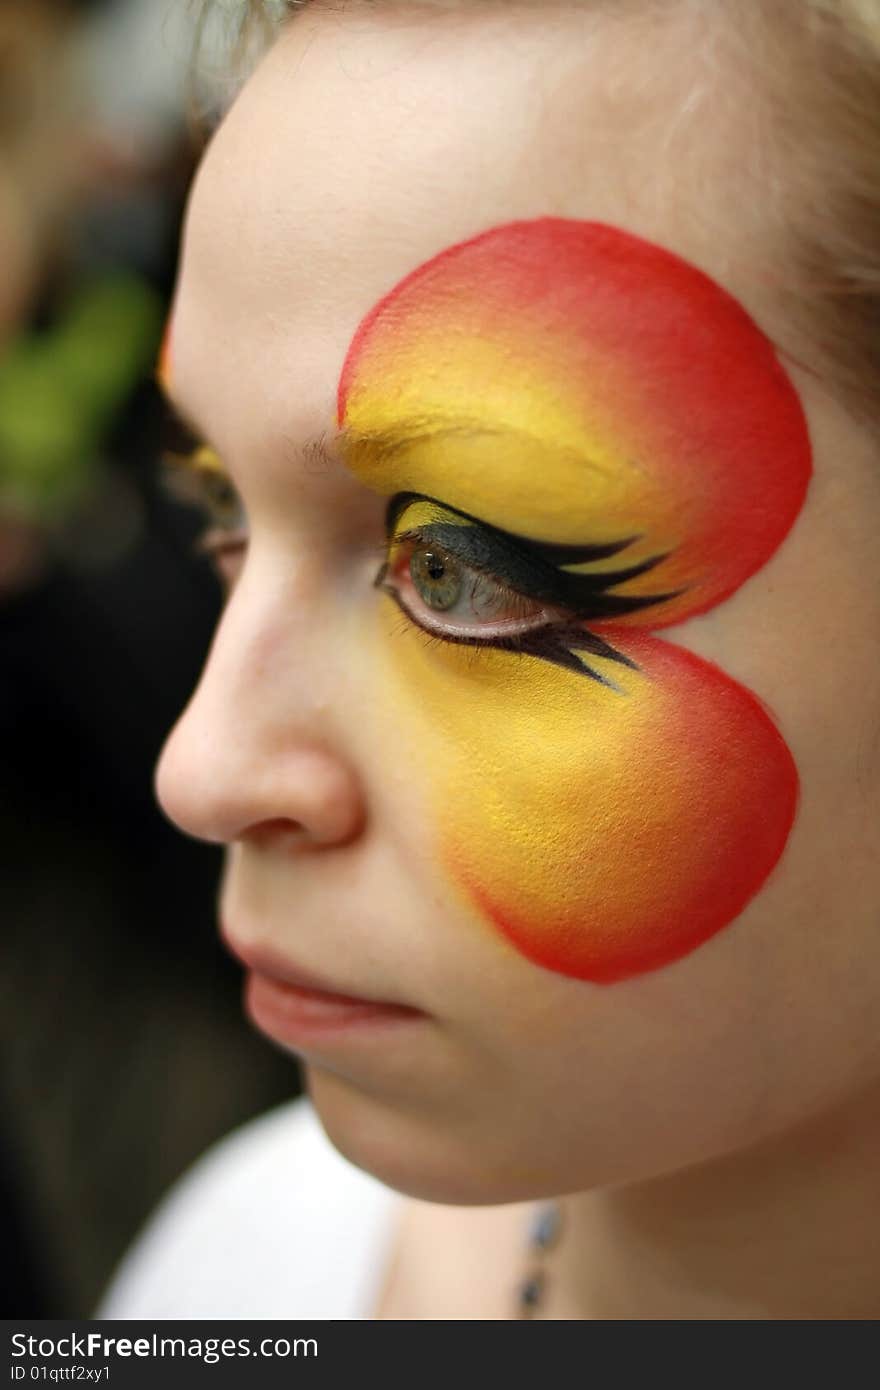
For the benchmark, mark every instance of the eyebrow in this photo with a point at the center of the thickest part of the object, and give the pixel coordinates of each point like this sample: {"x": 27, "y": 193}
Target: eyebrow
{"x": 329, "y": 449}
{"x": 383, "y": 445}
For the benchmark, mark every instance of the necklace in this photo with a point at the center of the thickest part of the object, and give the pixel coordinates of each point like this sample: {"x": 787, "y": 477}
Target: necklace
{"x": 544, "y": 1234}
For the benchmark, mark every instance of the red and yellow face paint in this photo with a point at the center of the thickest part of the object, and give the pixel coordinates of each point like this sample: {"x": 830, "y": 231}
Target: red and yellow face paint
{"x": 574, "y": 385}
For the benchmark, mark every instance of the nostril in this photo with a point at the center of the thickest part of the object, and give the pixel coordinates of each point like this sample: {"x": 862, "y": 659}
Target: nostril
{"x": 281, "y": 832}
{"x": 227, "y": 791}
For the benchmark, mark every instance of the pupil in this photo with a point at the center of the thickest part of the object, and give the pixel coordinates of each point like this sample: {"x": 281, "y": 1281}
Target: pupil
{"x": 436, "y": 579}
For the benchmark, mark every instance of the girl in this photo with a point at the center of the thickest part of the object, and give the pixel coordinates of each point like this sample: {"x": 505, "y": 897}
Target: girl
{"x": 539, "y": 343}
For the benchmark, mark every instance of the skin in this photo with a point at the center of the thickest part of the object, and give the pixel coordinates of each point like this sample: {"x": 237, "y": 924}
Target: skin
{"x": 729, "y": 1090}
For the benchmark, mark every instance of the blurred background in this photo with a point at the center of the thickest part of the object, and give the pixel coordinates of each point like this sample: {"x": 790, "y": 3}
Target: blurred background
{"x": 123, "y": 1050}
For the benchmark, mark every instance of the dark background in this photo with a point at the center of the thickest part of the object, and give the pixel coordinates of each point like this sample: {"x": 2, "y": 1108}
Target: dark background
{"x": 124, "y": 1051}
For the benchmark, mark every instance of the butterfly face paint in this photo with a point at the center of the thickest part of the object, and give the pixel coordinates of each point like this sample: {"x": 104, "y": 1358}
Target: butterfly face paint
{"x": 602, "y": 427}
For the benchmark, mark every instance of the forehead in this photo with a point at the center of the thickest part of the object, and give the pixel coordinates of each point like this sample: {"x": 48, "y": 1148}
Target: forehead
{"x": 368, "y": 140}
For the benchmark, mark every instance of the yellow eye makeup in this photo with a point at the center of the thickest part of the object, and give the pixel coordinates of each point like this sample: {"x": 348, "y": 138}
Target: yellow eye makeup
{"x": 198, "y": 479}
{"x": 586, "y": 420}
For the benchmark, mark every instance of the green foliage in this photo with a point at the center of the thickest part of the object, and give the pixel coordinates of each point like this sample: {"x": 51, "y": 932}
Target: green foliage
{"x": 61, "y": 390}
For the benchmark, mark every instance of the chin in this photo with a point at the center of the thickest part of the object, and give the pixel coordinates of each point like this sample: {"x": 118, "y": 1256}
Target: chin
{"x": 417, "y": 1154}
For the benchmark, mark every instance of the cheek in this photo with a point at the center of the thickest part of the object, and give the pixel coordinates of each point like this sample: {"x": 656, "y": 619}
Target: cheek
{"x": 601, "y": 834}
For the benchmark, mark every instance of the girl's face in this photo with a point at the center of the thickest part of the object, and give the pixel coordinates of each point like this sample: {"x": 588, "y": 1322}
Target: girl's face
{"x": 545, "y": 700}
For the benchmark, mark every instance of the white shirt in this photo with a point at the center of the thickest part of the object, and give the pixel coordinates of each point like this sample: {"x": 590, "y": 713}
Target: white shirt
{"x": 271, "y": 1222}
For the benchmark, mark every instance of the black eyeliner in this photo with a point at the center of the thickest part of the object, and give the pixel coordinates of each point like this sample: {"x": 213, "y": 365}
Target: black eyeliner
{"x": 531, "y": 568}
{"x": 526, "y": 565}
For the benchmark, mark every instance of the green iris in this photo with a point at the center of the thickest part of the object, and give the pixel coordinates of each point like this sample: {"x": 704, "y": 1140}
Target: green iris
{"x": 437, "y": 578}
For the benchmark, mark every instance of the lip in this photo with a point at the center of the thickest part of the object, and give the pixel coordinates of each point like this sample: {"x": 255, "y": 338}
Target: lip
{"x": 299, "y": 1016}
{"x": 293, "y": 1005}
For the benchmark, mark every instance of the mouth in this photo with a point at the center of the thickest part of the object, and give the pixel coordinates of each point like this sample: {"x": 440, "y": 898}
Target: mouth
{"x": 292, "y": 1005}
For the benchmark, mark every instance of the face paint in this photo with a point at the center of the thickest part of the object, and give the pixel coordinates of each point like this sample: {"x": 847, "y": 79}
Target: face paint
{"x": 596, "y": 388}
{"x": 582, "y": 400}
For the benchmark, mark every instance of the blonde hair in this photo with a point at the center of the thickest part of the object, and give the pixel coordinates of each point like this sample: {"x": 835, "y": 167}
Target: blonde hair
{"x": 818, "y": 62}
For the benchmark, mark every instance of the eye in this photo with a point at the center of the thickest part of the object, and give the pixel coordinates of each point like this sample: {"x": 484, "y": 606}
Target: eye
{"x": 198, "y": 479}
{"x": 460, "y": 579}
{"x": 452, "y": 599}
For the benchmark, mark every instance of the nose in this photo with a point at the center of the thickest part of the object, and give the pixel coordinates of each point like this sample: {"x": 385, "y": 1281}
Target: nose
{"x": 252, "y": 758}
